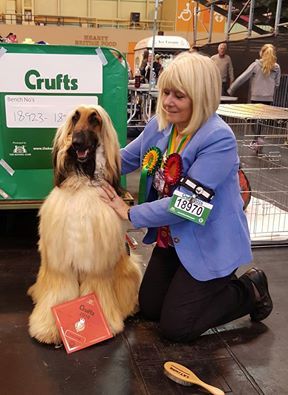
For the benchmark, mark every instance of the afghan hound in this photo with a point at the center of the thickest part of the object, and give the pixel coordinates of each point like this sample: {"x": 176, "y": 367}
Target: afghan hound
{"x": 81, "y": 239}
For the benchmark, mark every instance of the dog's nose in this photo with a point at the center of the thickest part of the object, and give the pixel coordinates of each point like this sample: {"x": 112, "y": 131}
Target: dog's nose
{"x": 78, "y": 140}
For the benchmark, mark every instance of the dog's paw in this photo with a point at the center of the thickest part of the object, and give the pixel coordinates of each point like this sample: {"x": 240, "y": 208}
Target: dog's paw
{"x": 116, "y": 327}
{"x": 42, "y": 327}
{"x": 135, "y": 310}
{"x": 48, "y": 337}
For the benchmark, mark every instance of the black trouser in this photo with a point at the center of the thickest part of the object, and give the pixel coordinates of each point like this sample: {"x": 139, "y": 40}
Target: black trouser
{"x": 186, "y": 307}
{"x": 225, "y": 86}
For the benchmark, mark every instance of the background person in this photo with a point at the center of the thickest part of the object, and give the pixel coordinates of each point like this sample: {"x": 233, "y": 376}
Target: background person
{"x": 148, "y": 68}
{"x": 125, "y": 64}
{"x": 156, "y": 67}
{"x": 190, "y": 284}
{"x": 224, "y": 63}
{"x": 143, "y": 64}
{"x": 264, "y": 75}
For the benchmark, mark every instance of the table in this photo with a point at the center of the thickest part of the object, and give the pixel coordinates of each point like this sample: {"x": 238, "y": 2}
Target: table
{"x": 253, "y": 111}
{"x": 145, "y": 97}
{"x": 228, "y": 99}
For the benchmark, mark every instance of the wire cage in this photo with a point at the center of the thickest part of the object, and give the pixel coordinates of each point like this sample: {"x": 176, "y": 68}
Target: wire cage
{"x": 261, "y": 132}
{"x": 281, "y": 93}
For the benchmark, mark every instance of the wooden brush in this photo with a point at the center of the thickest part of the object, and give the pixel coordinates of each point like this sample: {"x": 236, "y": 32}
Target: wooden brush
{"x": 182, "y": 375}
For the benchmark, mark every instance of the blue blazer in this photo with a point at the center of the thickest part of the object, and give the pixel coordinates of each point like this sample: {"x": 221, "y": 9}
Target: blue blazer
{"x": 223, "y": 243}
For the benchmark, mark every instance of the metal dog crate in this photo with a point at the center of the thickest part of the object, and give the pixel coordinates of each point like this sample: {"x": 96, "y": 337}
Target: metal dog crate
{"x": 261, "y": 133}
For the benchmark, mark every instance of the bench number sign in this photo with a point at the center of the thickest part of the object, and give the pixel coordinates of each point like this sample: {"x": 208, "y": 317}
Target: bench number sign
{"x": 49, "y": 82}
{"x": 45, "y": 88}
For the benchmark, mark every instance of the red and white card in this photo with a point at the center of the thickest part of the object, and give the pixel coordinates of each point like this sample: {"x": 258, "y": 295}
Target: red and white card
{"x": 81, "y": 323}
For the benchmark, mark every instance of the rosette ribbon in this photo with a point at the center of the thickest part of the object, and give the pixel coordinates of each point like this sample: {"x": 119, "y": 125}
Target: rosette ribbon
{"x": 172, "y": 170}
{"x": 151, "y": 162}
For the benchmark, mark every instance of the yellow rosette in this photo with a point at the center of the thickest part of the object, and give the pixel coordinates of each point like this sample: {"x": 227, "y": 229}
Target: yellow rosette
{"x": 151, "y": 162}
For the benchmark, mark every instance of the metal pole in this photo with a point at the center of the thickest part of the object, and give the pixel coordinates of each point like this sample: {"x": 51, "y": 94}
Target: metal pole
{"x": 251, "y": 16}
{"x": 228, "y": 19}
{"x": 153, "y": 40}
{"x": 277, "y": 16}
{"x": 195, "y": 16}
{"x": 211, "y": 22}
{"x": 152, "y": 49}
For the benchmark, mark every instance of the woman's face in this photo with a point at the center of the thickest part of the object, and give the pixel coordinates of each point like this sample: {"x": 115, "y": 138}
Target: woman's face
{"x": 178, "y": 108}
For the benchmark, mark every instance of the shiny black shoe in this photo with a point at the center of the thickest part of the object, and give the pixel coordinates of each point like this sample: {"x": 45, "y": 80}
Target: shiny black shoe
{"x": 264, "y": 305}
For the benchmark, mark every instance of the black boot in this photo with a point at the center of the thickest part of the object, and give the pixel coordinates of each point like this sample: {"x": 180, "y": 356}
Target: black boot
{"x": 263, "y": 305}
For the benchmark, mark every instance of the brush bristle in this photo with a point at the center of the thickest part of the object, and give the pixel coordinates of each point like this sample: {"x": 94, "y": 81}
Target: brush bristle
{"x": 176, "y": 379}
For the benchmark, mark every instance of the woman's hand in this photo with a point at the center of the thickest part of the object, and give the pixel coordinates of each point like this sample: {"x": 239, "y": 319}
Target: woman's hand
{"x": 109, "y": 196}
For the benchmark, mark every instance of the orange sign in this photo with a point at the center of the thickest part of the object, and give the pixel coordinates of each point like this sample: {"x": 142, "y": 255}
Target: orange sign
{"x": 130, "y": 54}
{"x": 219, "y": 21}
{"x": 184, "y": 15}
{"x": 185, "y": 18}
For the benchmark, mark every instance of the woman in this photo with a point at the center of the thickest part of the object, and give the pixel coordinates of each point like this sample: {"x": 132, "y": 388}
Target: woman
{"x": 197, "y": 221}
{"x": 143, "y": 64}
{"x": 265, "y": 76}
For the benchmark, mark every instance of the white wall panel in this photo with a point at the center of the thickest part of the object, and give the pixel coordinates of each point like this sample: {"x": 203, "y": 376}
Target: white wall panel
{"x": 44, "y": 7}
{"x": 126, "y": 7}
{"x": 73, "y": 8}
{"x": 2, "y": 6}
{"x": 104, "y": 9}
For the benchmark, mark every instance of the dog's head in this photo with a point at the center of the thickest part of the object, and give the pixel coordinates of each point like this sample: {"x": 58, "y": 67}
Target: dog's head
{"x": 87, "y": 144}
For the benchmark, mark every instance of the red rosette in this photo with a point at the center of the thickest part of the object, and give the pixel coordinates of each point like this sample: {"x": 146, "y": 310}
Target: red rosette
{"x": 173, "y": 169}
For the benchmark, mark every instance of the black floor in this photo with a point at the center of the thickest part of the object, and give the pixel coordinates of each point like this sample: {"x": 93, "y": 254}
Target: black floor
{"x": 240, "y": 358}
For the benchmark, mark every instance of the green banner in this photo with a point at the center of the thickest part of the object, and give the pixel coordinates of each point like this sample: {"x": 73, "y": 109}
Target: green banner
{"x": 47, "y": 82}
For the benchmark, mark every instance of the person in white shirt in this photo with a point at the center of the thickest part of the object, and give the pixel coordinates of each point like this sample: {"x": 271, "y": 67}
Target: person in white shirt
{"x": 224, "y": 63}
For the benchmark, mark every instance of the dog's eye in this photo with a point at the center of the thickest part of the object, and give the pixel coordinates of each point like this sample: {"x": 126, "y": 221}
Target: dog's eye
{"x": 93, "y": 119}
{"x": 76, "y": 117}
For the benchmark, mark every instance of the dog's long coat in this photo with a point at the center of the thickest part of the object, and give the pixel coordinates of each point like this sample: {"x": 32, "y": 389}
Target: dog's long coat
{"x": 82, "y": 240}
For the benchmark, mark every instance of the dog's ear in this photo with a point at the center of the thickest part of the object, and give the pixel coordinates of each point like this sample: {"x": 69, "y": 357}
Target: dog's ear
{"x": 112, "y": 150}
{"x": 59, "y": 152}
{"x": 58, "y": 176}
{"x": 116, "y": 182}
{"x": 55, "y": 149}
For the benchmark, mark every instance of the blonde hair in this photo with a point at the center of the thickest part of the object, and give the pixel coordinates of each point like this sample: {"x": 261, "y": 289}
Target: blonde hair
{"x": 199, "y": 78}
{"x": 268, "y": 58}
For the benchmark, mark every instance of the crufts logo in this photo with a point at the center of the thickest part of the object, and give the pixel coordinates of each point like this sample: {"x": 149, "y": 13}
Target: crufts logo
{"x": 33, "y": 80}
